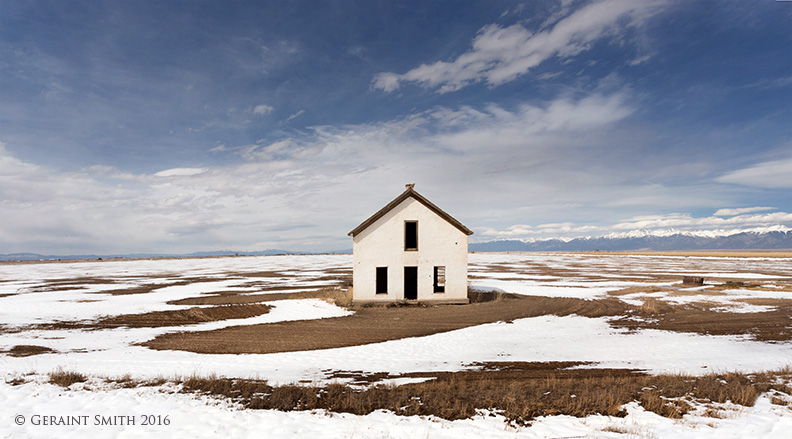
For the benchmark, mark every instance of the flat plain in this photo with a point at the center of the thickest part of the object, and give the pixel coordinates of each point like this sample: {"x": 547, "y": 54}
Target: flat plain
{"x": 612, "y": 320}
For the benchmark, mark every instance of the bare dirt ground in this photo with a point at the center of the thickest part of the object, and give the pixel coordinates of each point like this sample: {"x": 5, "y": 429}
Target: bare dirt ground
{"x": 27, "y": 350}
{"x": 653, "y": 309}
{"x": 377, "y": 324}
{"x": 771, "y": 325}
{"x": 158, "y": 319}
{"x": 646, "y": 294}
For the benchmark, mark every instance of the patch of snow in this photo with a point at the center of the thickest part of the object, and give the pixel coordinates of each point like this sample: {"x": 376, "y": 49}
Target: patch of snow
{"x": 545, "y": 338}
{"x": 201, "y": 417}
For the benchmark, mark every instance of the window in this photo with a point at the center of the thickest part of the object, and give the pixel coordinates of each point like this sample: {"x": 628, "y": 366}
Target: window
{"x": 411, "y": 235}
{"x": 439, "y": 280}
{"x": 382, "y": 280}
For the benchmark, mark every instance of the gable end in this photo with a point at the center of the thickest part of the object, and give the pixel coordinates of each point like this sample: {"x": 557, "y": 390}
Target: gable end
{"x": 410, "y": 192}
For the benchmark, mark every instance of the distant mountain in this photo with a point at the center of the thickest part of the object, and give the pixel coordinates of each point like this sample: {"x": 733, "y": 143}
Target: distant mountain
{"x": 39, "y": 257}
{"x": 769, "y": 239}
{"x": 775, "y": 238}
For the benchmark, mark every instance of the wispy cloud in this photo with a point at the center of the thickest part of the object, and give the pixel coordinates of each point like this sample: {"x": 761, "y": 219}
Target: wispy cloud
{"x": 742, "y": 210}
{"x": 321, "y": 177}
{"x": 180, "y": 172}
{"x": 774, "y": 174}
{"x": 263, "y": 109}
{"x": 687, "y": 221}
{"x": 295, "y": 115}
{"x": 680, "y": 222}
{"x": 501, "y": 54}
{"x": 541, "y": 163}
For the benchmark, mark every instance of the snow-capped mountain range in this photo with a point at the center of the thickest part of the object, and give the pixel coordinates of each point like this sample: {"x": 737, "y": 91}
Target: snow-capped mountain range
{"x": 764, "y": 238}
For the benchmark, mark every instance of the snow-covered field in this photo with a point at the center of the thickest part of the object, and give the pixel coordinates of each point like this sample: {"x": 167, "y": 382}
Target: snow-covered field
{"x": 40, "y": 294}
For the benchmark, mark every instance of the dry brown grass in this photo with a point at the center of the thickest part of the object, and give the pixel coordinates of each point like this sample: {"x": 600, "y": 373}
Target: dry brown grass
{"x": 542, "y": 392}
{"x": 65, "y": 378}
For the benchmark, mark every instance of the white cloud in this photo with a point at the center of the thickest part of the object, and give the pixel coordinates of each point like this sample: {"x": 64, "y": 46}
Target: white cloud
{"x": 501, "y": 54}
{"x": 742, "y": 210}
{"x": 263, "y": 109}
{"x": 669, "y": 223}
{"x": 180, "y": 172}
{"x": 640, "y": 60}
{"x": 775, "y": 174}
{"x": 306, "y": 191}
{"x": 490, "y": 167}
{"x": 686, "y": 221}
{"x": 295, "y": 115}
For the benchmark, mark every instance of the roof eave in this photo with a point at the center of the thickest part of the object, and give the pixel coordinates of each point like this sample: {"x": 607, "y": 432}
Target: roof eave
{"x": 410, "y": 192}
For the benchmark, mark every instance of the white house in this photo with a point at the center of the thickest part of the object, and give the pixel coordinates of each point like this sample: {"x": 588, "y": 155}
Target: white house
{"x": 410, "y": 251}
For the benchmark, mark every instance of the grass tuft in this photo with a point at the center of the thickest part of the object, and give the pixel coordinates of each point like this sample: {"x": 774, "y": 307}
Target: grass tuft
{"x": 460, "y": 395}
{"x": 65, "y": 378}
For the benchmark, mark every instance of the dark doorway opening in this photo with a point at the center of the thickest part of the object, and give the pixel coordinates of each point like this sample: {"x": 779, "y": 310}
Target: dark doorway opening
{"x": 411, "y": 283}
{"x": 382, "y": 280}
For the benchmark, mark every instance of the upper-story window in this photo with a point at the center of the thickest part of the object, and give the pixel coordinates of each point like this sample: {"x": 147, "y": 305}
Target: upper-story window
{"x": 411, "y": 235}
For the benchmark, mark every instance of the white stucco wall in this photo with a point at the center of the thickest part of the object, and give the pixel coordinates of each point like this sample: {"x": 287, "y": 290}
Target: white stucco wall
{"x": 382, "y": 245}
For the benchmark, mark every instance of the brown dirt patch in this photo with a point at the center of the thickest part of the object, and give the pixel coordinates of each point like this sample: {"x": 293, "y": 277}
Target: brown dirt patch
{"x": 767, "y": 301}
{"x": 377, "y": 324}
{"x": 699, "y": 318}
{"x": 25, "y": 350}
{"x": 226, "y": 298}
{"x": 161, "y": 318}
{"x": 184, "y": 316}
{"x": 140, "y": 289}
{"x": 265, "y": 274}
{"x": 642, "y": 289}
{"x": 682, "y": 293}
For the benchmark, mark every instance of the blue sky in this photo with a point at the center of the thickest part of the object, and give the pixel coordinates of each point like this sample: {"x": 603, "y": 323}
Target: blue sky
{"x": 181, "y": 126}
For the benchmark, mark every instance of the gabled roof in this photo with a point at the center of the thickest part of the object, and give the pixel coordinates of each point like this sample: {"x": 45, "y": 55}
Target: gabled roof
{"x": 410, "y": 193}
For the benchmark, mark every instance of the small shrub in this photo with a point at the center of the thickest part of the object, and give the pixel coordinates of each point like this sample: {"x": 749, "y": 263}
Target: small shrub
{"x": 650, "y": 306}
{"x": 342, "y": 298}
{"x": 64, "y": 378}
{"x": 125, "y": 381}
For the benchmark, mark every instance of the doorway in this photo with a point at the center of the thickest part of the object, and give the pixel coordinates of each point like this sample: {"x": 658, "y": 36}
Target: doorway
{"x": 411, "y": 283}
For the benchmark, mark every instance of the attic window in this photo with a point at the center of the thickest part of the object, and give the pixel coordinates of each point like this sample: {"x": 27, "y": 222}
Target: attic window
{"x": 411, "y": 235}
{"x": 439, "y": 279}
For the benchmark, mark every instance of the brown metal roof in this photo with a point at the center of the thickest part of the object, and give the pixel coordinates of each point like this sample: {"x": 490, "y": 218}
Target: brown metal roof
{"x": 410, "y": 192}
